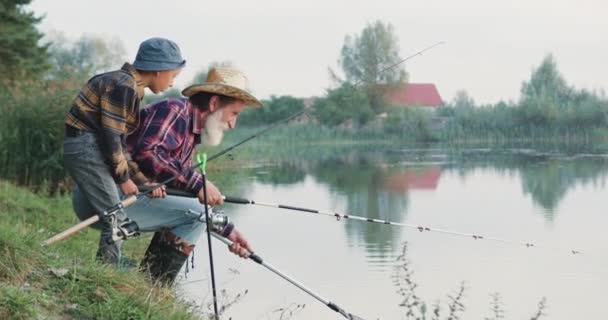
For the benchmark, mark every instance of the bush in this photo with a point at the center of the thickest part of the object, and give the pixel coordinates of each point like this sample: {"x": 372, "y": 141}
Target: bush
{"x": 273, "y": 110}
{"x": 342, "y": 104}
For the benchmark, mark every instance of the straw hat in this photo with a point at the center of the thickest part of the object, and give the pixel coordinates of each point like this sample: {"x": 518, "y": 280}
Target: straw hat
{"x": 226, "y": 81}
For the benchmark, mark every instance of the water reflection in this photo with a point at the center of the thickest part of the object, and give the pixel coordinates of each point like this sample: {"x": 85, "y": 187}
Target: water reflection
{"x": 498, "y": 192}
{"x": 371, "y": 189}
{"x": 288, "y": 172}
{"x": 548, "y": 182}
{"x": 545, "y": 176}
{"x": 377, "y": 183}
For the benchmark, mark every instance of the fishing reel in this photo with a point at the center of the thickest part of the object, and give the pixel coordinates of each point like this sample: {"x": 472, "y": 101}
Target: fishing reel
{"x": 126, "y": 229}
{"x": 218, "y": 219}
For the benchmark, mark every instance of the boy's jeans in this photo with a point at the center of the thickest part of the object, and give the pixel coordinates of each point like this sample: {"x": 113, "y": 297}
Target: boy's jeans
{"x": 86, "y": 164}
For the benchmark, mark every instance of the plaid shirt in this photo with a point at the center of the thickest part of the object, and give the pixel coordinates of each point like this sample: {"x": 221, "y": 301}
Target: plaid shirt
{"x": 108, "y": 105}
{"x": 163, "y": 143}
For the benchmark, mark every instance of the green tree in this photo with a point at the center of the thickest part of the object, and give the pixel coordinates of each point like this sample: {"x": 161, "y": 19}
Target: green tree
{"x": 365, "y": 58}
{"x": 21, "y": 53}
{"x": 547, "y": 83}
{"x": 85, "y": 57}
{"x": 545, "y": 97}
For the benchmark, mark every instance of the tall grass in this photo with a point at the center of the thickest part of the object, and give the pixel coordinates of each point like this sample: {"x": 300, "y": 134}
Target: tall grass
{"x": 31, "y": 134}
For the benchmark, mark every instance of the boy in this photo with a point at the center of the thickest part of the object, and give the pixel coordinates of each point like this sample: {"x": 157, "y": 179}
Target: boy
{"x": 105, "y": 111}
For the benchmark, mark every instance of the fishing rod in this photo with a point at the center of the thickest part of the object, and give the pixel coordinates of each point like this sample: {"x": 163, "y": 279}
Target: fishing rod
{"x": 257, "y": 259}
{"x": 338, "y": 216}
{"x": 124, "y": 231}
{"x": 420, "y": 228}
{"x": 419, "y": 53}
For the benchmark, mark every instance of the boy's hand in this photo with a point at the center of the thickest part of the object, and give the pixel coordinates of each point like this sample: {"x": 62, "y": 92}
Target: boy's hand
{"x": 128, "y": 188}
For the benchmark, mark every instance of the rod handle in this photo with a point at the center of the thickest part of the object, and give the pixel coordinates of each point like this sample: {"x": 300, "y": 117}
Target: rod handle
{"x": 237, "y": 200}
{"x": 128, "y": 201}
{"x": 85, "y": 223}
{"x": 60, "y": 236}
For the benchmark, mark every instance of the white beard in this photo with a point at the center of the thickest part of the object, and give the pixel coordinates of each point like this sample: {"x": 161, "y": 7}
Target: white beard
{"x": 213, "y": 130}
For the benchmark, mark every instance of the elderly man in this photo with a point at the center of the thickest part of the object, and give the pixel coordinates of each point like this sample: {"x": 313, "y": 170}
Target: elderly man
{"x": 163, "y": 146}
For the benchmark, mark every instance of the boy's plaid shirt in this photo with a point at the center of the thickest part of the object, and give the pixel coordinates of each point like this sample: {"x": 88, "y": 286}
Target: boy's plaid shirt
{"x": 164, "y": 142}
{"x": 108, "y": 105}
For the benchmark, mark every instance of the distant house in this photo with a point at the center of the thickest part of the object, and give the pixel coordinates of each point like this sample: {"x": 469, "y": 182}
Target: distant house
{"x": 413, "y": 94}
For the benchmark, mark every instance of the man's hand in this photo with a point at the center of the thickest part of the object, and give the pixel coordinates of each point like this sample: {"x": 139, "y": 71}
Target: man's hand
{"x": 214, "y": 197}
{"x": 239, "y": 245}
{"x": 159, "y": 192}
{"x": 128, "y": 188}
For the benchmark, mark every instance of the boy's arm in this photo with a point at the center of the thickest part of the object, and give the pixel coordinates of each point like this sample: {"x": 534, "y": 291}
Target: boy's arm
{"x": 136, "y": 175}
{"x": 116, "y": 103}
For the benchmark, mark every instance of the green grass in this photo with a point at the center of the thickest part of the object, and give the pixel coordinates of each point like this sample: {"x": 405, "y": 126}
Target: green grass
{"x": 87, "y": 290}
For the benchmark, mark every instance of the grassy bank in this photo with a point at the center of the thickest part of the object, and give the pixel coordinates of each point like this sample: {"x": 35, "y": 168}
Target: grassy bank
{"x": 63, "y": 281}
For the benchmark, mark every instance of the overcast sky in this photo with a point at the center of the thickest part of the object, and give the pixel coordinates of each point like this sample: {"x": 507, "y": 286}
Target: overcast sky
{"x": 285, "y": 47}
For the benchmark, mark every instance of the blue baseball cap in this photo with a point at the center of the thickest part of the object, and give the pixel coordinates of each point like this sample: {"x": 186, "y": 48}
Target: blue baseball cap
{"x": 158, "y": 54}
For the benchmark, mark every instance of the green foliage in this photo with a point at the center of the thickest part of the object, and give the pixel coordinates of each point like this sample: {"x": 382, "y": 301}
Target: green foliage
{"x": 547, "y": 84}
{"x": 368, "y": 59}
{"x": 364, "y": 57}
{"x": 547, "y": 100}
{"x": 342, "y": 104}
{"x": 410, "y": 123}
{"x": 273, "y": 110}
{"x": 21, "y": 54}
{"x": 85, "y": 57}
{"x": 31, "y": 134}
{"x": 549, "y": 109}
{"x": 33, "y": 112}
{"x": 16, "y": 303}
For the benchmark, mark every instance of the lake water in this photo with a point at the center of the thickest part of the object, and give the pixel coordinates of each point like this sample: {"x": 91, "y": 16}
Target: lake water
{"x": 553, "y": 198}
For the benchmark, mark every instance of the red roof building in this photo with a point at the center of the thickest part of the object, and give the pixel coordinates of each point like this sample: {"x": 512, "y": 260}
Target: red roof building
{"x": 413, "y": 94}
